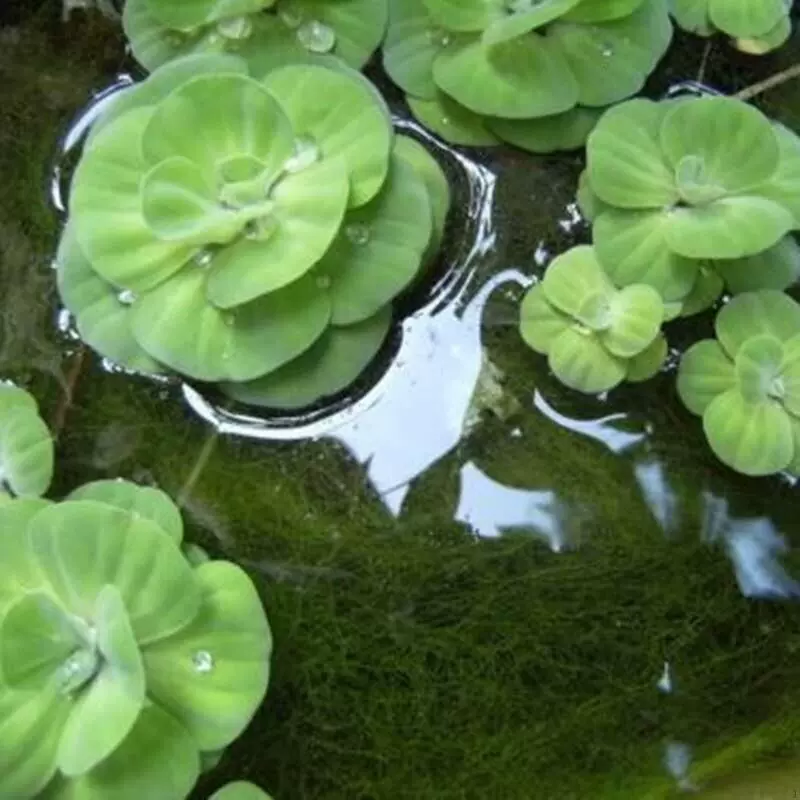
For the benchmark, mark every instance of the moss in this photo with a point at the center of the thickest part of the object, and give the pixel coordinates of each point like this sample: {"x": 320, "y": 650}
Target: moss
{"x": 413, "y": 659}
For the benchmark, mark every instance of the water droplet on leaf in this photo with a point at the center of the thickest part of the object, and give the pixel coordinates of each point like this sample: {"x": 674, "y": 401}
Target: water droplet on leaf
{"x": 316, "y": 36}
{"x": 357, "y": 233}
{"x": 291, "y": 17}
{"x": 306, "y": 153}
{"x": 203, "y": 661}
{"x": 203, "y": 258}
{"x": 126, "y": 297}
{"x": 235, "y": 28}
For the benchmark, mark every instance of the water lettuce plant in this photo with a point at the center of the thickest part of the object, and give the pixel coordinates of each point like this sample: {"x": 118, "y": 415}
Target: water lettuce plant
{"x": 535, "y": 74}
{"x": 755, "y": 26}
{"x": 594, "y": 335}
{"x": 242, "y": 232}
{"x": 681, "y": 190}
{"x": 122, "y": 664}
{"x": 746, "y": 383}
{"x": 26, "y": 446}
{"x": 268, "y": 33}
{"x": 240, "y": 790}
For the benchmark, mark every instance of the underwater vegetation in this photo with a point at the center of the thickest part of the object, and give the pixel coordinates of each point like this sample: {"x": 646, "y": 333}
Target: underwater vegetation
{"x": 127, "y": 658}
{"x": 755, "y": 26}
{"x": 238, "y": 231}
{"x": 267, "y": 33}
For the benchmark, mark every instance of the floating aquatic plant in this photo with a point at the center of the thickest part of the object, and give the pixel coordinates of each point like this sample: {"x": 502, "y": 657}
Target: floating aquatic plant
{"x": 26, "y": 446}
{"x": 245, "y": 233}
{"x": 755, "y": 26}
{"x": 240, "y": 790}
{"x": 594, "y": 335}
{"x": 746, "y": 383}
{"x": 535, "y": 74}
{"x": 121, "y": 664}
{"x": 268, "y": 33}
{"x": 687, "y": 194}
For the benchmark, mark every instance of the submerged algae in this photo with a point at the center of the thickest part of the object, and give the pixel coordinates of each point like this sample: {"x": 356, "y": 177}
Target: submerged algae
{"x": 415, "y": 659}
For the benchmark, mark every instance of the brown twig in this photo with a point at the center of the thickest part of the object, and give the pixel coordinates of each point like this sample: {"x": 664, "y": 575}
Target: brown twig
{"x": 68, "y": 395}
{"x": 788, "y": 74}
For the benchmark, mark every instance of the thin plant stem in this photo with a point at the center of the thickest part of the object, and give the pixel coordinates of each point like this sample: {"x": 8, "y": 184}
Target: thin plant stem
{"x": 779, "y": 78}
{"x": 68, "y": 395}
{"x": 199, "y": 465}
{"x": 701, "y": 73}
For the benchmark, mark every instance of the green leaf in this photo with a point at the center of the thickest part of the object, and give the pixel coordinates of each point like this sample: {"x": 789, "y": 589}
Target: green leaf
{"x": 332, "y": 364}
{"x": 380, "y": 247}
{"x": 539, "y": 322}
{"x": 611, "y": 61}
{"x": 26, "y": 451}
{"x": 411, "y": 46}
{"x": 706, "y": 291}
{"x": 523, "y": 22}
{"x": 212, "y": 118}
{"x": 465, "y": 15}
{"x": 624, "y": 160}
{"x": 152, "y": 43}
{"x": 705, "y": 372}
{"x": 179, "y": 326}
{"x": 590, "y": 205}
{"x": 158, "y": 758}
{"x": 353, "y": 123}
{"x": 692, "y": 16}
{"x": 581, "y": 362}
{"x": 105, "y": 204}
{"x": 521, "y": 78}
{"x": 144, "y": 501}
{"x": 732, "y": 227}
{"x": 631, "y": 246}
{"x": 438, "y": 187}
{"x": 213, "y": 675}
{"x": 191, "y": 13}
{"x": 101, "y": 316}
{"x": 30, "y": 728}
{"x": 778, "y": 268}
{"x": 756, "y": 313}
{"x": 240, "y": 790}
{"x": 646, "y": 364}
{"x": 18, "y": 571}
{"x": 104, "y": 713}
{"x": 450, "y": 120}
{"x": 567, "y": 131}
{"x": 636, "y": 313}
{"x": 758, "y": 365}
{"x": 308, "y": 210}
{"x": 790, "y": 381}
{"x": 602, "y": 10}
{"x": 573, "y": 278}
{"x": 36, "y": 636}
{"x": 747, "y": 18}
{"x": 82, "y": 546}
{"x": 181, "y": 203}
{"x": 766, "y": 42}
{"x": 784, "y": 185}
{"x": 164, "y": 81}
{"x": 752, "y": 438}
{"x": 734, "y": 141}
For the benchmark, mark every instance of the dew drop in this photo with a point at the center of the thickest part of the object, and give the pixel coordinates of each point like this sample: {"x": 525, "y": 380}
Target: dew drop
{"x": 306, "y": 153}
{"x": 439, "y": 37}
{"x": 357, "y": 233}
{"x": 235, "y": 28}
{"x": 203, "y": 258}
{"x": 606, "y": 50}
{"x": 203, "y": 661}
{"x": 291, "y": 17}
{"x": 126, "y": 297}
{"x": 316, "y": 36}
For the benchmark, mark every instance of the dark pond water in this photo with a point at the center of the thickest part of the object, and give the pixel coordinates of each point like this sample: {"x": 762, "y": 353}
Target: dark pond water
{"x": 481, "y": 585}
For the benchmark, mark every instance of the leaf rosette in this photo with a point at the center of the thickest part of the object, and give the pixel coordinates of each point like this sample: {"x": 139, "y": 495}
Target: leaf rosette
{"x": 534, "y": 73}
{"x": 238, "y": 231}
{"x": 693, "y": 194}
{"x": 267, "y": 33}
{"x": 745, "y": 384}
{"x": 594, "y": 335}
{"x": 121, "y": 664}
{"x": 755, "y": 26}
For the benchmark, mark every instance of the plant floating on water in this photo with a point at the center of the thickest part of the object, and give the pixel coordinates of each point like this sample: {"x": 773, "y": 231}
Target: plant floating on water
{"x": 26, "y": 446}
{"x": 687, "y": 194}
{"x": 746, "y": 383}
{"x": 240, "y": 790}
{"x": 535, "y": 74}
{"x": 244, "y": 233}
{"x": 756, "y": 26}
{"x": 267, "y": 33}
{"x": 121, "y": 664}
{"x": 594, "y": 335}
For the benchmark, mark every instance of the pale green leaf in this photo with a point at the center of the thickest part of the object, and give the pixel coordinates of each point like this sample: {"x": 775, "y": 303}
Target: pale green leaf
{"x": 452, "y": 121}
{"x": 465, "y": 15}
{"x": 756, "y": 313}
{"x": 411, "y": 45}
{"x": 646, "y": 364}
{"x": 523, "y": 22}
{"x": 581, "y": 362}
{"x": 539, "y": 322}
{"x": 566, "y": 131}
{"x": 573, "y": 278}
{"x": 778, "y": 267}
{"x": 706, "y": 291}
{"x": 26, "y": 452}
{"x": 240, "y": 790}
{"x": 635, "y": 316}
{"x": 758, "y": 366}
{"x": 192, "y": 13}
{"x": 746, "y": 18}
{"x": 705, "y": 372}
{"x": 784, "y": 184}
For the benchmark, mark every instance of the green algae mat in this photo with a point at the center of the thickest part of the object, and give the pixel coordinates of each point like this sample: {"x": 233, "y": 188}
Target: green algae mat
{"x": 480, "y": 584}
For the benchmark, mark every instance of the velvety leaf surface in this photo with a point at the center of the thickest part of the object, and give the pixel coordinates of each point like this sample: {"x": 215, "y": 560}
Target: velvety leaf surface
{"x": 574, "y": 277}
{"x": 777, "y": 268}
{"x": 756, "y": 313}
{"x": 452, "y": 121}
{"x": 26, "y": 451}
{"x": 566, "y": 131}
{"x": 581, "y": 362}
{"x": 646, "y": 364}
{"x": 539, "y": 322}
{"x": 705, "y": 372}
